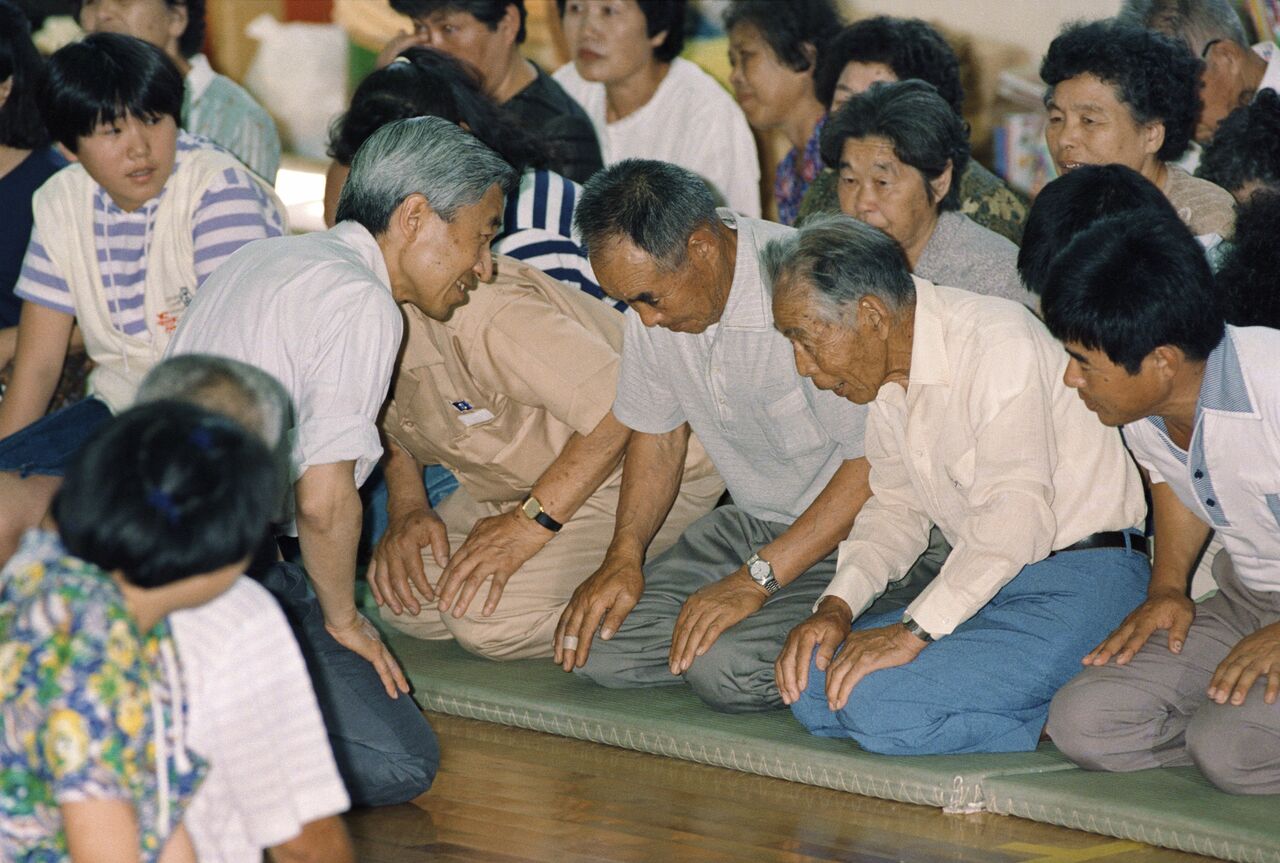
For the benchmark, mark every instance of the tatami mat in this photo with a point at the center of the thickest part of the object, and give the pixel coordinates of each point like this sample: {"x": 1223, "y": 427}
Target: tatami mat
{"x": 1168, "y": 808}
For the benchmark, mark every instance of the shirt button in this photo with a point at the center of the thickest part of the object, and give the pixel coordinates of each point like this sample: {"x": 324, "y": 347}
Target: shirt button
{"x": 1199, "y": 474}
{"x": 1210, "y": 502}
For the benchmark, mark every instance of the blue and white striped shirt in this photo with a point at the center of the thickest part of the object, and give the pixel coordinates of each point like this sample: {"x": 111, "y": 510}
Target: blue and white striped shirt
{"x": 233, "y": 211}
{"x": 537, "y": 228}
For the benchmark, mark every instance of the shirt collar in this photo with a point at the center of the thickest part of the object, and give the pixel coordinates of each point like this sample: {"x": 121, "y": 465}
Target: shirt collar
{"x": 357, "y": 236}
{"x": 1223, "y": 388}
{"x": 200, "y": 76}
{"x": 929, "y": 364}
{"x": 749, "y": 306}
{"x": 1271, "y": 78}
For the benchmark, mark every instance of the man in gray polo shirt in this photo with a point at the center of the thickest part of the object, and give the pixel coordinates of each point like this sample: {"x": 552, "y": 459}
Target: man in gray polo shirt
{"x": 700, "y": 352}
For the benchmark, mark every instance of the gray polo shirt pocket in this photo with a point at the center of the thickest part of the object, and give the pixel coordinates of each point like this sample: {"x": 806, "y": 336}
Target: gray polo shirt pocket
{"x": 788, "y": 423}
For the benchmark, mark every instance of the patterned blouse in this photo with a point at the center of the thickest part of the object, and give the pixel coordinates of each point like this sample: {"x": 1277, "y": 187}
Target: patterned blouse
{"x": 86, "y": 706}
{"x": 795, "y": 172}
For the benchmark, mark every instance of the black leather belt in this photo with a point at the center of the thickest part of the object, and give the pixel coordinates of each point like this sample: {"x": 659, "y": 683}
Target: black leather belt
{"x": 1108, "y": 539}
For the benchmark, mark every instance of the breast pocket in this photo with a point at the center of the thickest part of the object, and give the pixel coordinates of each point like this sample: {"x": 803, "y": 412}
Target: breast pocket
{"x": 789, "y": 425}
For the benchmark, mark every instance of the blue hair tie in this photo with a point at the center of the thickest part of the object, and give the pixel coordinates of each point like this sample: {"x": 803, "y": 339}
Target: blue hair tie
{"x": 200, "y": 438}
{"x": 162, "y": 503}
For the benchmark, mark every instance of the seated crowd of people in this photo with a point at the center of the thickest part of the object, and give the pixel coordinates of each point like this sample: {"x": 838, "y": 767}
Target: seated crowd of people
{"x": 553, "y": 388}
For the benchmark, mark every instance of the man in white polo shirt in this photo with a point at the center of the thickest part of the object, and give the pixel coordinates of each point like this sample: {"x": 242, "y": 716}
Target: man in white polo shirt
{"x": 700, "y": 352}
{"x": 1177, "y": 683}
{"x": 320, "y": 313}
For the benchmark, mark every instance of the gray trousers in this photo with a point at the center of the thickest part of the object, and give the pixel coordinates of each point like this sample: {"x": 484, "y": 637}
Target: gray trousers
{"x": 1153, "y": 712}
{"x": 736, "y": 674}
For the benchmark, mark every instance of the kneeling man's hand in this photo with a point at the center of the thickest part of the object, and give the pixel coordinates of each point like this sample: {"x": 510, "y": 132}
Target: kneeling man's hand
{"x": 1256, "y": 655}
{"x": 709, "y": 612}
{"x": 497, "y": 546}
{"x": 1163, "y": 609}
{"x": 602, "y": 601}
{"x": 865, "y": 651}
{"x": 824, "y": 629}
{"x": 397, "y": 559}
{"x": 361, "y": 637}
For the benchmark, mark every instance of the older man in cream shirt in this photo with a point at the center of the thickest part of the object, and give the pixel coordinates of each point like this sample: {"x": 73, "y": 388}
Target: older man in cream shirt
{"x": 972, "y": 429}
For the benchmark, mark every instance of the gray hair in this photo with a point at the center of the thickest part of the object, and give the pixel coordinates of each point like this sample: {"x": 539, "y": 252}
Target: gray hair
{"x": 1195, "y": 22}
{"x": 238, "y": 390}
{"x": 428, "y": 156}
{"x": 655, "y": 205}
{"x": 840, "y": 260}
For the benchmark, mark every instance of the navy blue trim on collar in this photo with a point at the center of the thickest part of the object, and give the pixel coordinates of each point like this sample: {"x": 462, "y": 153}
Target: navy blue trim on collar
{"x": 1223, "y": 388}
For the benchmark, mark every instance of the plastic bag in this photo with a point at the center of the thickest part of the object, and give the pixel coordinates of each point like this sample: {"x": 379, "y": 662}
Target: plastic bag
{"x": 300, "y": 76}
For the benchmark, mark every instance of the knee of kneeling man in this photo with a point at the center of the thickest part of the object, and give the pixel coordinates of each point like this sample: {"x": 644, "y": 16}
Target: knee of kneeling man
{"x": 1073, "y": 727}
{"x": 1229, "y": 753}
{"x": 717, "y": 677}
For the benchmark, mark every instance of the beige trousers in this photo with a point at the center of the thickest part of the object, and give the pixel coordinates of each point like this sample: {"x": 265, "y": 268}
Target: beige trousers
{"x": 525, "y": 620}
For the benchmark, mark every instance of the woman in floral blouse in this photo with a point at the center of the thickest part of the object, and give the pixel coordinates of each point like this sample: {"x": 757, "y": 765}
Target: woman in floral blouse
{"x": 92, "y": 753}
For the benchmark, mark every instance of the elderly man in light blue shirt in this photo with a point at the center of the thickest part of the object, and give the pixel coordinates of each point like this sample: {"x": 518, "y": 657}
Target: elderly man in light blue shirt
{"x": 700, "y": 352}
{"x": 1177, "y": 683}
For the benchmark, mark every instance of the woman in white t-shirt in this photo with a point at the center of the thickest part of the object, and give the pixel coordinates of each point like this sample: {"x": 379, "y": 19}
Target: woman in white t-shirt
{"x": 648, "y": 103}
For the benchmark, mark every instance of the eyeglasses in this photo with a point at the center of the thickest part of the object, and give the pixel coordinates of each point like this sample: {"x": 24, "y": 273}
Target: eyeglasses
{"x": 1204, "y": 52}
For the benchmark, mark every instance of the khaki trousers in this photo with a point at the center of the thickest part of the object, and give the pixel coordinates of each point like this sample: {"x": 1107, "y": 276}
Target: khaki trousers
{"x": 525, "y": 620}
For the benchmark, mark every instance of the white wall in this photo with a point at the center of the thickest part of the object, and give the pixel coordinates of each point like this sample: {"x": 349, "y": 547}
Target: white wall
{"x": 1029, "y": 24}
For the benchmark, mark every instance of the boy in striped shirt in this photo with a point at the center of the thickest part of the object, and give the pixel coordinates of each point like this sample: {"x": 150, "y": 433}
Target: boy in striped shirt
{"x": 122, "y": 240}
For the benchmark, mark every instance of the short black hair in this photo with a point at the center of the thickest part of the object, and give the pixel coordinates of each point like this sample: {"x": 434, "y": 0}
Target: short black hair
{"x": 103, "y": 78}
{"x": 1246, "y": 146}
{"x": 1073, "y": 202}
{"x": 1249, "y": 277}
{"x": 1126, "y": 286}
{"x": 431, "y": 84}
{"x": 165, "y": 491}
{"x": 908, "y": 46}
{"x": 654, "y": 205}
{"x": 21, "y": 125}
{"x": 1155, "y": 76}
{"x": 788, "y": 27}
{"x": 923, "y": 129}
{"x": 487, "y": 12}
{"x": 191, "y": 42}
{"x": 659, "y": 15}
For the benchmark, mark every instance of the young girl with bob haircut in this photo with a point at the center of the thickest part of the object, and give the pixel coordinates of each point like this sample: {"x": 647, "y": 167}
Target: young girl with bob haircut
{"x": 122, "y": 241}
{"x": 159, "y": 512}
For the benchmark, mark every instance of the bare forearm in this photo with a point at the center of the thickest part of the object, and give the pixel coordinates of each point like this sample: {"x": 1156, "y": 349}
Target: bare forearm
{"x": 40, "y": 348}
{"x": 651, "y": 478}
{"x": 1179, "y": 538}
{"x": 329, "y": 523}
{"x": 403, "y": 476}
{"x": 822, "y": 526}
{"x": 584, "y": 463}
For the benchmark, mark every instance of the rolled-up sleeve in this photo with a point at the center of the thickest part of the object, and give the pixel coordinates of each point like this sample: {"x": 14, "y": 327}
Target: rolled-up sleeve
{"x": 350, "y": 361}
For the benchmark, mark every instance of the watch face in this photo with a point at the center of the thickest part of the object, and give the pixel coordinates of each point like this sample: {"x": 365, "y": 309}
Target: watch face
{"x": 531, "y": 507}
{"x": 760, "y": 570}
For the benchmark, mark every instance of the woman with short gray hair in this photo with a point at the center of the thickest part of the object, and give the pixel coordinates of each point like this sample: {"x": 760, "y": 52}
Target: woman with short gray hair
{"x": 899, "y": 150}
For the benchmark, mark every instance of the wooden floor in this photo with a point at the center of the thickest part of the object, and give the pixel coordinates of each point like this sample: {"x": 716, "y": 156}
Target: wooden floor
{"x": 511, "y": 796}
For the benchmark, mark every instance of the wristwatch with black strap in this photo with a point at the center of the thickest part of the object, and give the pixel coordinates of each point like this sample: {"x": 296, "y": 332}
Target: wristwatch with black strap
{"x": 915, "y": 629}
{"x": 532, "y": 509}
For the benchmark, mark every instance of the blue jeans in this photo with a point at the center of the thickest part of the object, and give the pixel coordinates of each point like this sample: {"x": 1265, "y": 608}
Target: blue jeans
{"x": 47, "y": 446}
{"x": 986, "y": 687}
{"x": 385, "y": 750}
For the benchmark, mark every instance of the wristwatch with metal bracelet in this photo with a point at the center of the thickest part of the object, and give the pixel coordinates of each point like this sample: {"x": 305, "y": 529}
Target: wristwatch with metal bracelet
{"x": 761, "y": 572}
{"x": 915, "y": 629}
